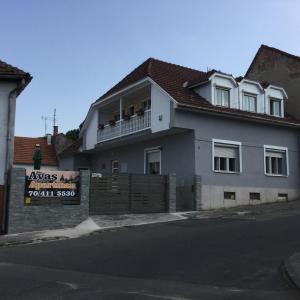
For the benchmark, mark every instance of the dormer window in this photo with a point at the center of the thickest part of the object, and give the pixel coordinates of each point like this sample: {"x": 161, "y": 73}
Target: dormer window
{"x": 275, "y": 107}
{"x": 250, "y": 102}
{"x": 222, "y": 96}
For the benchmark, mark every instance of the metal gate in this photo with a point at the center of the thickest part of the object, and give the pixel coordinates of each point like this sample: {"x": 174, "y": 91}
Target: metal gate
{"x": 128, "y": 193}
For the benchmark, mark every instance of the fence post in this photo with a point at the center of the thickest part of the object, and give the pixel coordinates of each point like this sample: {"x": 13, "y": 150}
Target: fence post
{"x": 16, "y": 200}
{"x": 171, "y": 193}
{"x": 85, "y": 182}
{"x": 197, "y": 192}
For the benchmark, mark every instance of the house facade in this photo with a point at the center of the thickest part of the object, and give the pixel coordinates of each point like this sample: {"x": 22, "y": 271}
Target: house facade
{"x": 12, "y": 83}
{"x": 232, "y": 133}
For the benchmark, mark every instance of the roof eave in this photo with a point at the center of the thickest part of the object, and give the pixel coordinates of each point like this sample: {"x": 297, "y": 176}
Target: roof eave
{"x": 228, "y": 114}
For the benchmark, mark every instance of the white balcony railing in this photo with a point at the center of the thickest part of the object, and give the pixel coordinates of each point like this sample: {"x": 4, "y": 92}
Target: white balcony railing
{"x": 125, "y": 127}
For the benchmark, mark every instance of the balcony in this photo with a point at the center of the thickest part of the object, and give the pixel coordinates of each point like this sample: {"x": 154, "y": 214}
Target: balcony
{"x": 124, "y": 127}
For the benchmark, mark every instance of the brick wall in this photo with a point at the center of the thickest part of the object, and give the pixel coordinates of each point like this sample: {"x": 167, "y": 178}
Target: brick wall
{"x": 22, "y": 218}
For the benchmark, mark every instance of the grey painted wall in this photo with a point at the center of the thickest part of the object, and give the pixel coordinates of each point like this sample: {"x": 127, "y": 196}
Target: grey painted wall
{"x": 177, "y": 156}
{"x": 252, "y": 136}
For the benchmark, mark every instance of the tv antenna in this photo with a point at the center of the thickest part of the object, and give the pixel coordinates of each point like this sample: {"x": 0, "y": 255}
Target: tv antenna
{"x": 48, "y": 118}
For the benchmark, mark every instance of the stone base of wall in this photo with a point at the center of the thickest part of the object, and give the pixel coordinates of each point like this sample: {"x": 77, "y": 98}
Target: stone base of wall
{"x": 23, "y": 218}
{"x": 212, "y": 196}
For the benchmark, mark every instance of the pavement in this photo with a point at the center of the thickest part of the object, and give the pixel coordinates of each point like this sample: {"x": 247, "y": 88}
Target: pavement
{"x": 91, "y": 225}
{"x": 290, "y": 268}
{"x": 225, "y": 257}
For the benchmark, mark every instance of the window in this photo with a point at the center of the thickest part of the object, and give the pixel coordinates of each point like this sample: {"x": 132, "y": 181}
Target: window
{"x": 275, "y": 107}
{"x": 222, "y": 96}
{"x": 115, "y": 166}
{"x": 229, "y": 195}
{"x": 131, "y": 110}
{"x": 283, "y": 197}
{"x": 276, "y": 161}
{"x": 250, "y": 103}
{"x": 226, "y": 156}
{"x": 147, "y": 104}
{"x": 153, "y": 161}
{"x": 254, "y": 196}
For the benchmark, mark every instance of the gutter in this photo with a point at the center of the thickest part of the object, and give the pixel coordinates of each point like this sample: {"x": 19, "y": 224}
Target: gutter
{"x": 12, "y": 94}
{"x": 237, "y": 116}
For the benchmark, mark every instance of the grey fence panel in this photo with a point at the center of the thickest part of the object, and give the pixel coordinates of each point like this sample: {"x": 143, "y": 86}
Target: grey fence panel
{"x": 109, "y": 194}
{"x": 148, "y": 193}
{"x": 121, "y": 193}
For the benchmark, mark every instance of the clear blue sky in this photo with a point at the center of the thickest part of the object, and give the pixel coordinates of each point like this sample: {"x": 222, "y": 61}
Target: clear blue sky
{"x": 76, "y": 50}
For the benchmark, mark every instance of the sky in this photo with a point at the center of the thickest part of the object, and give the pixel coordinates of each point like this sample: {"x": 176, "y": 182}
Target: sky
{"x": 78, "y": 49}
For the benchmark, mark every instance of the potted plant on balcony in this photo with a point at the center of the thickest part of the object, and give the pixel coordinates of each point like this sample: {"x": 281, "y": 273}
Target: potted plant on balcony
{"x": 101, "y": 126}
{"x": 112, "y": 122}
{"x": 126, "y": 116}
{"x": 140, "y": 112}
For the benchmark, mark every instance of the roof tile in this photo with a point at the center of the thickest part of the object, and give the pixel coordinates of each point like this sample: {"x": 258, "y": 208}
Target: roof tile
{"x": 24, "y": 149}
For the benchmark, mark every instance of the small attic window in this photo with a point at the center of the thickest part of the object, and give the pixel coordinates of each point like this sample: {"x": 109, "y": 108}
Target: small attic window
{"x": 222, "y": 96}
{"x": 275, "y": 107}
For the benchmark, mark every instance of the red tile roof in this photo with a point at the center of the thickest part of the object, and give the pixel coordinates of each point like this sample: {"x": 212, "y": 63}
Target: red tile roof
{"x": 24, "y": 150}
{"x": 172, "y": 79}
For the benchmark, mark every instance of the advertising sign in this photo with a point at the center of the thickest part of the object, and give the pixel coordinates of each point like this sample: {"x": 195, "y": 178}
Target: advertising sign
{"x": 51, "y": 184}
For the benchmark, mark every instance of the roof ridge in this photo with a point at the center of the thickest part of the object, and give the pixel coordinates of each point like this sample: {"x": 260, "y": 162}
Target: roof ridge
{"x": 176, "y": 65}
{"x": 279, "y": 51}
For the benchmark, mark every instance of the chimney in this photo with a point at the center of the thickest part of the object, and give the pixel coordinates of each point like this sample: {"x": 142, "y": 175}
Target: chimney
{"x": 55, "y": 130}
{"x": 49, "y": 137}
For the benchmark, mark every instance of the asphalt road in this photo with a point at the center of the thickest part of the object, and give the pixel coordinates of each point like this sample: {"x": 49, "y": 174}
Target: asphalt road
{"x": 191, "y": 259}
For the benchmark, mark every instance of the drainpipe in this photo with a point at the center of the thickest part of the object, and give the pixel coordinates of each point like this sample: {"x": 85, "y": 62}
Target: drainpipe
{"x": 8, "y": 155}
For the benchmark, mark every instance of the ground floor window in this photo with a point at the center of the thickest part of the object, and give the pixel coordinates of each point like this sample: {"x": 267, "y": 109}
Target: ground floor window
{"x": 276, "y": 161}
{"x": 115, "y": 166}
{"x": 226, "y": 156}
{"x": 153, "y": 161}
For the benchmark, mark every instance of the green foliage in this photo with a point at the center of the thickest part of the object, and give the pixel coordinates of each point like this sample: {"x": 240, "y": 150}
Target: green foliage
{"x": 73, "y": 134}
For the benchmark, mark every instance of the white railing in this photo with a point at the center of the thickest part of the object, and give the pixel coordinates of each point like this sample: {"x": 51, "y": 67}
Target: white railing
{"x": 124, "y": 127}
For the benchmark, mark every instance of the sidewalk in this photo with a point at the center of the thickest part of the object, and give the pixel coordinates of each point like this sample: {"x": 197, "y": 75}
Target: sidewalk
{"x": 292, "y": 269}
{"x": 92, "y": 224}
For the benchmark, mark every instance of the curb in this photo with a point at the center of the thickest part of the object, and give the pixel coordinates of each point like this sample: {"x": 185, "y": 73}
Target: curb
{"x": 292, "y": 269}
{"x": 38, "y": 239}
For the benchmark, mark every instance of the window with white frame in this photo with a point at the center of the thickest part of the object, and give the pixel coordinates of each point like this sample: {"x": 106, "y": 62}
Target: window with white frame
{"x": 114, "y": 166}
{"x": 250, "y": 102}
{"x": 222, "y": 96}
{"x": 147, "y": 104}
{"x": 153, "y": 161}
{"x": 275, "y": 107}
{"x": 276, "y": 161}
{"x": 226, "y": 156}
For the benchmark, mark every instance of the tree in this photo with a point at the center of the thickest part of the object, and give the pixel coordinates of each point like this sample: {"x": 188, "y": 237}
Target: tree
{"x": 73, "y": 134}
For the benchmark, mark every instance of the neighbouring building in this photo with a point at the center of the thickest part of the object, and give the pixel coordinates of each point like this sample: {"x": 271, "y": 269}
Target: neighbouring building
{"x": 279, "y": 68}
{"x": 232, "y": 133}
{"x": 12, "y": 83}
{"x": 24, "y": 150}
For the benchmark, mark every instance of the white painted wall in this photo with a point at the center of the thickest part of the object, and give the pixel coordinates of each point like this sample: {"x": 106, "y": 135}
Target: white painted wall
{"x": 5, "y": 89}
{"x": 237, "y": 91}
{"x": 90, "y": 134}
{"x": 160, "y": 109}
